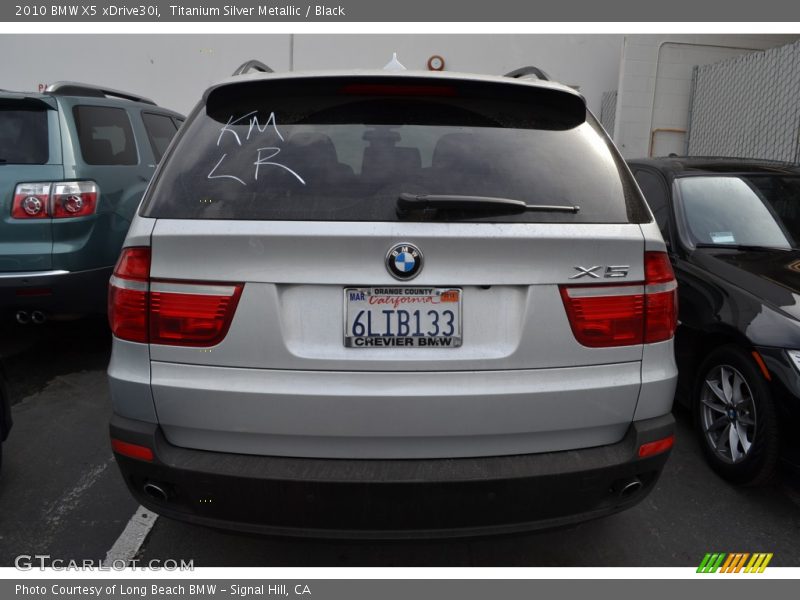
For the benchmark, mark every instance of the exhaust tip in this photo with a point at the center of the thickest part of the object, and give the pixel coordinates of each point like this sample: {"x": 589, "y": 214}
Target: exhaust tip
{"x": 629, "y": 488}
{"x": 22, "y": 317}
{"x": 155, "y": 491}
{"x": 38, "y": 317}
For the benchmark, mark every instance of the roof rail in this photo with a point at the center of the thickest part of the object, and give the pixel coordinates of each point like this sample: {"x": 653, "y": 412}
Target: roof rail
{"x": 73, "y": 88}
{"x": 527, "y": 71}
{"x": 252, "y": 65}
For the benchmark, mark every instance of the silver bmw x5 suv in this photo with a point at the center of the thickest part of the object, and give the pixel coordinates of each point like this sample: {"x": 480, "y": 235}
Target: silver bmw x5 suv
{"x": 391, "y": 304}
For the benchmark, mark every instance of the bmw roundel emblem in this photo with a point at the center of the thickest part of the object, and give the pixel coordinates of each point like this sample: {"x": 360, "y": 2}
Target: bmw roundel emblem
{"x": 404, "y": 261}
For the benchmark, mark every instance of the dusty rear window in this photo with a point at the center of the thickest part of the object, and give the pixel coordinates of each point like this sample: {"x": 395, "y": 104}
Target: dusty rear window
{"x": 23, "y": 135}
{"x": 338, "y": 150}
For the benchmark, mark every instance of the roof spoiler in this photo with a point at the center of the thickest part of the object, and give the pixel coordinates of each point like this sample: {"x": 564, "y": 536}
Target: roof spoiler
{"x": 528, "y": 72}
{"x": 7, "y": 96}
{"x": 252, "y": 65}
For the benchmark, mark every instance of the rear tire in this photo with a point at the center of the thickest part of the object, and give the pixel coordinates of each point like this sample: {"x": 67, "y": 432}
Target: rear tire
{"x": 735, "y": 420}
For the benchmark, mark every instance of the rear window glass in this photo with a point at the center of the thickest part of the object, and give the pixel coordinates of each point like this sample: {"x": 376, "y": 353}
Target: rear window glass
{"x": 160, "y": 131}
{"x": 338, "y": 150}
{"x": 105, "y": 135}
{"x": 23, "y": 135}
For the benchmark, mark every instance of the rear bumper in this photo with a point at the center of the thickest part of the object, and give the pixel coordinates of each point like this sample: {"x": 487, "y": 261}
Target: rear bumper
{"x": 390, "y": 498}
{"x": 57, "y": 292}
{"x": 387, "y": 415}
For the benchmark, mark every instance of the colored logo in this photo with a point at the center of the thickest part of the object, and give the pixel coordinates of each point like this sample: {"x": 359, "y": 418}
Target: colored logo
{"x": 404, "y": 261}
{"x": 738, "y": 562}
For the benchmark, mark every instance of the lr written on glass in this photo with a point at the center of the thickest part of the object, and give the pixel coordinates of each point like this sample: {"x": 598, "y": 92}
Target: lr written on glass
{"x": 263, "y": 155}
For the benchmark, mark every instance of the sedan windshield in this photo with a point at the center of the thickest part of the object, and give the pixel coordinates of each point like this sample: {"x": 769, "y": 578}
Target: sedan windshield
{"x": 759, "y": 210}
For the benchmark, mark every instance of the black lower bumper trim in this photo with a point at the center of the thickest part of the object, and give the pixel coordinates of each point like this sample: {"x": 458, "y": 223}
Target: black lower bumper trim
{"x": 62, "y": 293}
{"x": 391, "y": 498}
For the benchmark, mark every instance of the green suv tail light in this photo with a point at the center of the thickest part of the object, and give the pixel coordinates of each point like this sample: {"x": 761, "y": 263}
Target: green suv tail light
{"x": 74, "y": 199}
{"x": 31, "y": 201}
{"x": 57, "y": 200}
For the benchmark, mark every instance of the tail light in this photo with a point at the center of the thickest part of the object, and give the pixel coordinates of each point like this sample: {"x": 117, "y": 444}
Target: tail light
{"x": 604, "y": 316}
{"x": 128, "y": 295}
{"x": 74, "y": 199}
{"x": 175, "y": 313}
{"x": 31, "y": 201}
{"x": 191, "y": 314}
{"x": 661, "y": 318}
{"x": 383, "y": 89}
{"x": 58, "y": 200}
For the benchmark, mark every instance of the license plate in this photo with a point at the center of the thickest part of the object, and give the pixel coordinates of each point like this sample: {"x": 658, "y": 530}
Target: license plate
{"x": 402, "y": 317}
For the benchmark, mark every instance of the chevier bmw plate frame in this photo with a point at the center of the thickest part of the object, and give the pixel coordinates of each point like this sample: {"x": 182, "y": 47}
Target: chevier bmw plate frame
{"x": 457, "y": 341}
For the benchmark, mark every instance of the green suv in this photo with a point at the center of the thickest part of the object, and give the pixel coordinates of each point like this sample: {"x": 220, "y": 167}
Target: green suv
{"x": 74, "y": 163}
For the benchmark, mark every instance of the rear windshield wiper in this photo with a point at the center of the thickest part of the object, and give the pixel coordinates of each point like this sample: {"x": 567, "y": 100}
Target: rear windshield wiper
{"x": 410, "y": 202}
{"x": 753, "y": 248}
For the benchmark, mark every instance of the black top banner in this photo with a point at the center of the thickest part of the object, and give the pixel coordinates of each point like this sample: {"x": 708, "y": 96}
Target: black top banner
{"x": 403, "y": 11}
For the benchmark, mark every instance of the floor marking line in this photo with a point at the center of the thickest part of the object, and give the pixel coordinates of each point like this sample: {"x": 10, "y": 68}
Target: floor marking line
{"x": 72, "y": 498}
{"x": 131, "y": 539}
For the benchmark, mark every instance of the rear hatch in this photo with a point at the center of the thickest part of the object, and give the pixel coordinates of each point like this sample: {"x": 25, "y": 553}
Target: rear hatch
{"x": 30, "y": 152}
{"x": 367, "y": 222}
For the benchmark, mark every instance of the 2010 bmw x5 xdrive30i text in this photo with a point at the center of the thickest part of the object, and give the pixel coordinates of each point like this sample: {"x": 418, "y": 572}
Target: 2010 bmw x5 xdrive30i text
{"x": 392, "y": 304}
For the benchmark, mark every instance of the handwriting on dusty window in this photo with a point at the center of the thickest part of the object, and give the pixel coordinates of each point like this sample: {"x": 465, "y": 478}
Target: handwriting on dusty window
{"x": 239, "y": 141}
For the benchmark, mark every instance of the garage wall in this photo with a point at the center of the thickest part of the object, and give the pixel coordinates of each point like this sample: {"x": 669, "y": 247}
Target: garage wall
{"x": 749, "y": 106}
{"x": 174, "y": 69}
{"x": 655, "y": 85}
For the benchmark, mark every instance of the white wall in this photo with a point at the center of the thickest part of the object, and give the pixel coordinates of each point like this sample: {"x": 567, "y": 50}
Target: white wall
{"x": 655, "y": 85}
{"x": 653, "y": 75}
{"x": 174, "y": 69}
